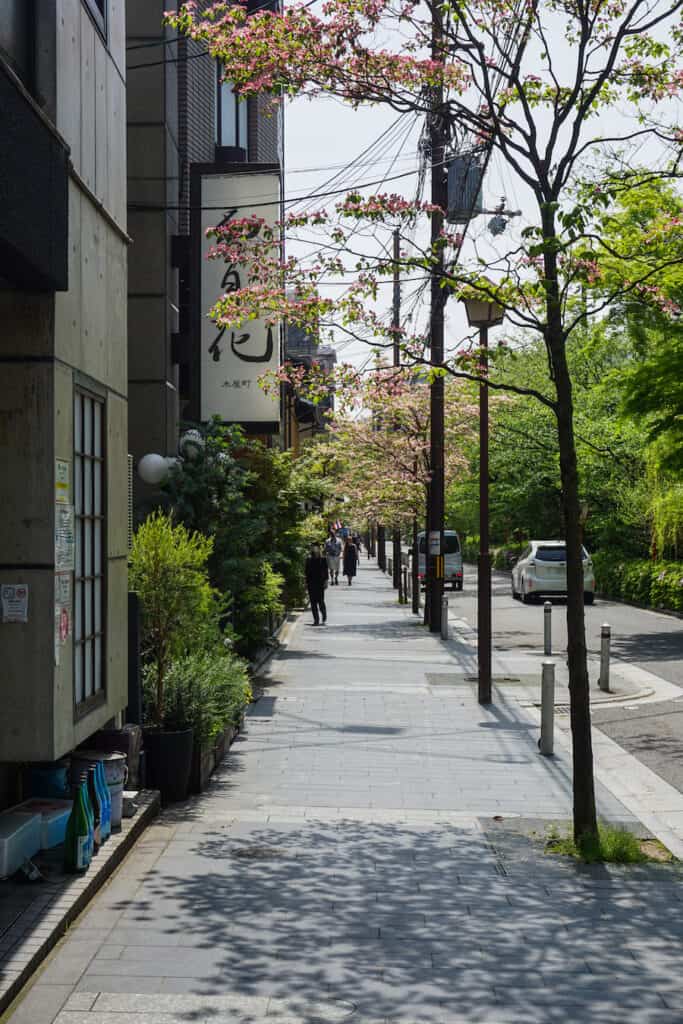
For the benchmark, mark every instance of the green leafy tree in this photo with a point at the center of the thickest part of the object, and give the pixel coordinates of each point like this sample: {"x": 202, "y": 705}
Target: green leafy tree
{"x": 179, "y": 607}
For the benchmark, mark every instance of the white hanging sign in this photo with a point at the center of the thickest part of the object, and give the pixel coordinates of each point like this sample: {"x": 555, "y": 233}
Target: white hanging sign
{"x": 232, "y": 359}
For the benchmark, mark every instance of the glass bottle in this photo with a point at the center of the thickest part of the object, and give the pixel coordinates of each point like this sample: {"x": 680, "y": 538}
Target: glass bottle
{"x": 89, "y": 812}
{"x": 105, "y": 800}
{"x": 77, "y": 838}
{"x": 96, "y": 807}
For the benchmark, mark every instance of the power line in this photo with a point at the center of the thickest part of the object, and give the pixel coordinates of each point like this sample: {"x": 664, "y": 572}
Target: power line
{"x": 160, "y": 207}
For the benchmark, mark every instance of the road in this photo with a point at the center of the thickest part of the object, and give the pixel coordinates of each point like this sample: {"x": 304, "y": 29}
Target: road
{"x": 650, "y": 640}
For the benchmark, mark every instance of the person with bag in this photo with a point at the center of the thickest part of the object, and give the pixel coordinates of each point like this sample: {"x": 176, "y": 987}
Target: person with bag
{"x": 333, "y": 550}
{"x": 315, "y": 571}
{"x": 350, "y": 559}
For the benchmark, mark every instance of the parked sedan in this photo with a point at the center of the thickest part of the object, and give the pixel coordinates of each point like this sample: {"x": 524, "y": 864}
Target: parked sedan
{"x": 542, "y": 572}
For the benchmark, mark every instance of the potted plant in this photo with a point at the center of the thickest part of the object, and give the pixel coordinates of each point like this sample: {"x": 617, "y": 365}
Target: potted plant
{"x": 211, "y": 687}
{"x": 178, "y": 606}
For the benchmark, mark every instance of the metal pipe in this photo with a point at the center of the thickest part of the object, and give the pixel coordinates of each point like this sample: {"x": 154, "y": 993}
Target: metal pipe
{"x": 484, "y": 567}
{"x": 444, "y": 618}
{"x": 547, "y": 628}
{"x": 546, "y": 742}
{"x": 605, "y": 639}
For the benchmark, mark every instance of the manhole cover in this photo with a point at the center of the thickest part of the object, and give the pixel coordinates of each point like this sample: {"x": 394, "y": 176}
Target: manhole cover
{"x": 257, "y": 852}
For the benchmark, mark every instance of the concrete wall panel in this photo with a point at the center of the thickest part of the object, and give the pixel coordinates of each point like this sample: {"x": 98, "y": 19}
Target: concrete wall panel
{"x": 116, "y": 330}
{"x": 27, "y": 660}
{"x": 147, "y": 335}
{"x": 117, "y": 477}
{"x": 26, "y": 456}
{"x": 116, "y": 123}
{"x": 68, "y": 76}
{"x": 147, "y": 271}
{"x": 86, "y": 167}
{"x": 68, "y": 304}
{"x": 102, "y": 128}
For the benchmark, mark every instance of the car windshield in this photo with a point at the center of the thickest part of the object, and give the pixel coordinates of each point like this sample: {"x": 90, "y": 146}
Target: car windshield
{"x": 551, "y": 554}
{"x": 451, "y": 544}
{"x": 555, "y": 554}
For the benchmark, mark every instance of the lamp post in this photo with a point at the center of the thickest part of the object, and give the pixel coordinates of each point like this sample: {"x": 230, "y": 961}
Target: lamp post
{"x": 483, "y": 313}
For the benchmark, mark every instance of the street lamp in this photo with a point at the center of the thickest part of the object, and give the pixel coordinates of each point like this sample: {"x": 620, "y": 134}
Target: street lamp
{"x": 483, "y": 313}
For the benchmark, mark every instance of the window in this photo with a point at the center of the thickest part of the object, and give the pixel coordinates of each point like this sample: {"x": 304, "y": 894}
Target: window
{"x": 89, "y": 580}
{"x": 98, "y": 10}
{"x": 231, "y": 116}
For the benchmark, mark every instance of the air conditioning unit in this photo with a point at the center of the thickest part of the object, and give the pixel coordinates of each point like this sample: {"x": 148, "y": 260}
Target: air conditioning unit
{"x": 465, "y": 185}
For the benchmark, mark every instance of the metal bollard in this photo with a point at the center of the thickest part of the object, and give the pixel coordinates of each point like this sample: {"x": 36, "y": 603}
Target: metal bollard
{"x": 444, "y": 618}
{"x": 605, "y": 637}
{"x": 547, "y": 628}
{"x": 547, "y": 740}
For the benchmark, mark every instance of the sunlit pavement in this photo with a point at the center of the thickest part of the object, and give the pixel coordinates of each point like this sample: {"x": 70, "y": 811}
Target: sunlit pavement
{"x": 361, "y": 857}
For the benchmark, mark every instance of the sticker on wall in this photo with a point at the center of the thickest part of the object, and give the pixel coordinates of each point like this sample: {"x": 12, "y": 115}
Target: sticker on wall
{"x": 64, "y": 537}
{"x": 62, "y": 476}
{"x": 14, "y": 601}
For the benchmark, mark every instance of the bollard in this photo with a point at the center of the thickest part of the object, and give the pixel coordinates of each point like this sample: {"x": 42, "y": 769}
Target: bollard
{"x": 605, "y": 637}
{"x": 547, "y": 628}
{"x": 444, "y": 618}
{"x": 546, "y": 742}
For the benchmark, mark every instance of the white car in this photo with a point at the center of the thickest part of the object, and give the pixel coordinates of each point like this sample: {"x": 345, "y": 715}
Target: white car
{"x": 542, "y": 572}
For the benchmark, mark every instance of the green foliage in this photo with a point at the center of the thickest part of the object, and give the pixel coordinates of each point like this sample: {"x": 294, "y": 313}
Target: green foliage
{"x": 654, "y": 584}
{"x": 180, "y": 610}
{"x": 611, "y": 846}
{"x": 503, "y": 557}
{"x": 249, "y": 500}
{"x": 206, "y": 691}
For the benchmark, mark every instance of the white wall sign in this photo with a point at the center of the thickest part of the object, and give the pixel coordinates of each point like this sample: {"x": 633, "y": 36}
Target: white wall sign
{"x": 62, "y": 475}
{"x": 64, "y": 537}
{"x": 232, "y": 359}
{"x": 14, "y": 600}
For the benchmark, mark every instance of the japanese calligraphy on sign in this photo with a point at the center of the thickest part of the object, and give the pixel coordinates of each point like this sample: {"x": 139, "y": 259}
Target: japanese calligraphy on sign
{"x": 232, "y": 359}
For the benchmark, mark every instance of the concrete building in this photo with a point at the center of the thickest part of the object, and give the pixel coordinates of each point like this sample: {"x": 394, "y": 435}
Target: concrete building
{"x": 303, "y": 419}
{"x": 63, "y": 378}
{"x": 180, "y": 117}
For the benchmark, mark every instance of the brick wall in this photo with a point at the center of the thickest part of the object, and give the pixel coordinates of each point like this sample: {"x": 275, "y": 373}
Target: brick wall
{"x": 196, "y": 115}
{"x": 264, "y": 131}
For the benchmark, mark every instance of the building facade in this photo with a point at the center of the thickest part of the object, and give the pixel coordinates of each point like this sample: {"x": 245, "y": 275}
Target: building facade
{"x": 180, "y": 117}
{"x": 63, "y": 378}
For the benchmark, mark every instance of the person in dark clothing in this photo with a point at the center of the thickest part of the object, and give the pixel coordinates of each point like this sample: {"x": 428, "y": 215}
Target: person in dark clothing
{"x": 350, "y": 559}
{"x": 316, "y": 581}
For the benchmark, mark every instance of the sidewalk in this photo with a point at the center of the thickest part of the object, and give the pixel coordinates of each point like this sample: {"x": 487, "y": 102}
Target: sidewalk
{"x": 361, "y": 858}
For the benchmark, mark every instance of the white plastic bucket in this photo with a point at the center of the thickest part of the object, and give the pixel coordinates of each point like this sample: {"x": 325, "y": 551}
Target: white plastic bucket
{"x": 115, "y": 774}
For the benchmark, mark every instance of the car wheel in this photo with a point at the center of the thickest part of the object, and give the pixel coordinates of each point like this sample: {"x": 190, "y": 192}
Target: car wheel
{"x": 515, "y": 593}
{"x": 588, "y": 597}
{"x": 458, "y": 586}
{"x": 526, "y": 598}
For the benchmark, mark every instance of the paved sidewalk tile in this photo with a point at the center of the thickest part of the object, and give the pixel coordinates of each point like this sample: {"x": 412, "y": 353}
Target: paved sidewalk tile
{"x": 362, "y": 855}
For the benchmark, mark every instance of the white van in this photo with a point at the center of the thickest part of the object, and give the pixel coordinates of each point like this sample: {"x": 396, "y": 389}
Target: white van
{"x": 452, "y": 561}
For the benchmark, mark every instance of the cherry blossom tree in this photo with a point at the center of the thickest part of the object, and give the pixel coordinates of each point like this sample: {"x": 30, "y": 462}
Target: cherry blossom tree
{"x": 570, "y": 96}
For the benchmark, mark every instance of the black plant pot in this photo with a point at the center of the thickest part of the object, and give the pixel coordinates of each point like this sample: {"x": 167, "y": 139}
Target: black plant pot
{"x": 169, "y": 762}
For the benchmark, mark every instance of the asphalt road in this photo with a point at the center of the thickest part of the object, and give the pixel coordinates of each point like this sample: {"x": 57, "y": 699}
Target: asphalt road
{"x": 651, "y": 640}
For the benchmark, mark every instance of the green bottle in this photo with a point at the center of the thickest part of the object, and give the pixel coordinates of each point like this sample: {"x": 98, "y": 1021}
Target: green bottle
{"x": 96, "y": 806}
{"x": 77, "y": 838}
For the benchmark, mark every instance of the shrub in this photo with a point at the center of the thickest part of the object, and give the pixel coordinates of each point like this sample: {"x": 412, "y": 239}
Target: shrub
{"x": 179, "y": 608}
{"x": 205, "y": 691}
{"x": 656, "y": 584}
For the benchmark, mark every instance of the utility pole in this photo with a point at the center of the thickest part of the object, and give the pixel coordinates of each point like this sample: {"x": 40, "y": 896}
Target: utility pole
{"x": 396, "y": 323}
{"x": 434, "y": 560}
{"x": 484, "y": 567}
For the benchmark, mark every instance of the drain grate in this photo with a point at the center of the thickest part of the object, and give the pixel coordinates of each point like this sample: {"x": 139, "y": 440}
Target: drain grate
{"x": 257, "y": 852}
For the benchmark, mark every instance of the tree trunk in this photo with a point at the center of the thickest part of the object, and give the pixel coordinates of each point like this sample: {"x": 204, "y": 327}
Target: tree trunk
{"x": 585, "y": 817}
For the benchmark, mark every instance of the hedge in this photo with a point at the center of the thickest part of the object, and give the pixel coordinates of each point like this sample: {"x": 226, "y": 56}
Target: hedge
{"x": 655, "y": 584}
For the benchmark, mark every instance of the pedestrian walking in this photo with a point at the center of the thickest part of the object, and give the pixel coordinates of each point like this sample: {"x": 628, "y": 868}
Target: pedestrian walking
{"x": 350, "y": 559}
{"x": 333, "y": 551}
{"x": 316, "y": 581}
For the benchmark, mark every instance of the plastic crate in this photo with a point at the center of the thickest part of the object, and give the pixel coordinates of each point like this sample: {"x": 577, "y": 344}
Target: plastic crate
{"x": 19, "y": 839}
{"x": 54, "y": 815}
